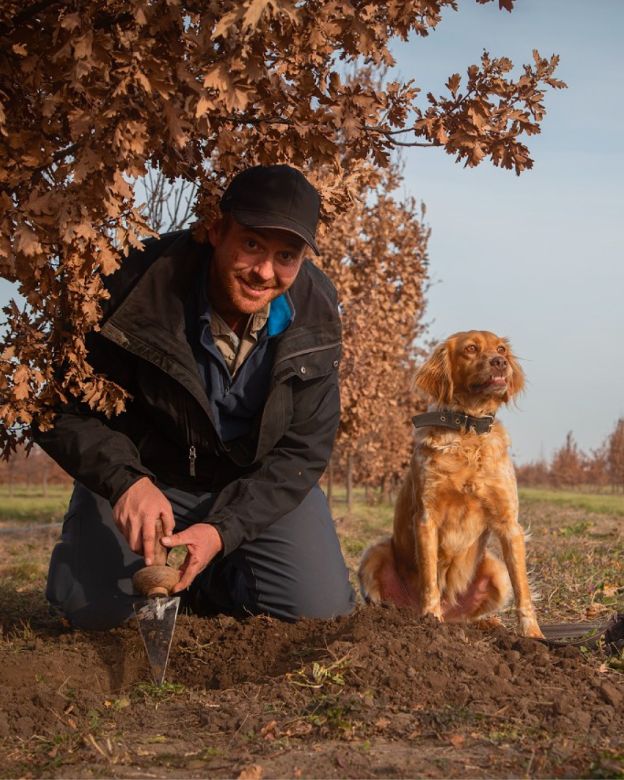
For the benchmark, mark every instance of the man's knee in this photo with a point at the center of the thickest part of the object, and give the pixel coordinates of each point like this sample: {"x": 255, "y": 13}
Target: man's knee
{"x": 68, "y": 597}
{"x": 89, "y": 578}
{"x": 97, "y": 616}
{"x": 297, "y": 565}
{"x": 310, "y": 603}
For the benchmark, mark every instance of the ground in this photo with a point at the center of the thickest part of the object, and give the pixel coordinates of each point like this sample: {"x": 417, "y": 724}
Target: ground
{"x": 381, "y": 693}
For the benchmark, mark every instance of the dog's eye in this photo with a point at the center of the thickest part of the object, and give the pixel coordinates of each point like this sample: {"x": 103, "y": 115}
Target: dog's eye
{"x": 472, "y": 348}
{"x": 501, "y": 349}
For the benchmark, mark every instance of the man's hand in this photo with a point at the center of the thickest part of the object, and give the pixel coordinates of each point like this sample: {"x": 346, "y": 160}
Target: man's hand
{"x": 136, "y": 512}
{"x": 203, "y": 542}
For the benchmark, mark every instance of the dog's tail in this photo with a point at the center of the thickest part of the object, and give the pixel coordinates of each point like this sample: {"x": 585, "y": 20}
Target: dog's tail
{"x": 375, "y": 558}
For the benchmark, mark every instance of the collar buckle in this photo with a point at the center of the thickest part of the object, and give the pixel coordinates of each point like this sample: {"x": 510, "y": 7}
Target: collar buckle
{"x": 488, "y": 419}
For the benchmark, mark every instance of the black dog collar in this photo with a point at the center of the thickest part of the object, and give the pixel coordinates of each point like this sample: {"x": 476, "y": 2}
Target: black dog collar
{"x": 456, "y": 421}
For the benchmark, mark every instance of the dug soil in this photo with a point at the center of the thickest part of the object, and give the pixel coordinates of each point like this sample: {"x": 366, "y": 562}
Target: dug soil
{"x": 381, "y": 693}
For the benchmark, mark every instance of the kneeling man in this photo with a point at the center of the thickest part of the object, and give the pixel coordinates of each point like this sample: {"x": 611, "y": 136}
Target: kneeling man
{"x": 230, "y": 353}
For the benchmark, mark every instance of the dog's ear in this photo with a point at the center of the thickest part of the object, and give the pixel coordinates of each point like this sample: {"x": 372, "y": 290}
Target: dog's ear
{"x": 516, "y": 381}
{"x": 434, "y": 378}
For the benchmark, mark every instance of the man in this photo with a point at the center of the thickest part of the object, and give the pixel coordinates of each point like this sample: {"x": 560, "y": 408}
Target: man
{"x": 230, "y": 353}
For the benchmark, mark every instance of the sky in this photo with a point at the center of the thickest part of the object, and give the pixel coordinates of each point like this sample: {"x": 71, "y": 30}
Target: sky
{"x": 536, "y": 258}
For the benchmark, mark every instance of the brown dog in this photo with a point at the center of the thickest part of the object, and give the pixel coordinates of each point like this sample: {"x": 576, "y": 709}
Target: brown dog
{"x": 460, "y": 488}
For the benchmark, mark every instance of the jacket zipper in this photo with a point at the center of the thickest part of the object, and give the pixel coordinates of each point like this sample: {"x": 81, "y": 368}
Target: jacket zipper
{"x": 192, "y": 453}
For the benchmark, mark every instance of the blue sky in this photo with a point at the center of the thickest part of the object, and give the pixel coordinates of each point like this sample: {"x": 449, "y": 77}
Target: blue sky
{"x": 537, "y": 258}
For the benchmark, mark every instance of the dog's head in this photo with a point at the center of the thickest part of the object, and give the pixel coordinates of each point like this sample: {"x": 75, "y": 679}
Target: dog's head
{"x": 473, "y": 369}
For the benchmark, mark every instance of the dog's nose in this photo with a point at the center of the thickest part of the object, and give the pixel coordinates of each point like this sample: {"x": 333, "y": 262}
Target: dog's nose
{"x": 499, "y": 362}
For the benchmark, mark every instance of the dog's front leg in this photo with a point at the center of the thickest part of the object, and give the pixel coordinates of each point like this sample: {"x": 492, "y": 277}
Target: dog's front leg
{"x": 512, "y": 542}
{"x": 427, "y": 554}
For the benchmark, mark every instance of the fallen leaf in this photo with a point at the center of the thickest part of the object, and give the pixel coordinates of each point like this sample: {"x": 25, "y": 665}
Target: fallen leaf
{"x": 268, "y": 730}
{"x": 251, "y": 772}
{"x": 595, "y": 609}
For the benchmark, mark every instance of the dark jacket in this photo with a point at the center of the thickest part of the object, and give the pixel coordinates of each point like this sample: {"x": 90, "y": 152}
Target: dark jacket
{"x": 167, "y": 431}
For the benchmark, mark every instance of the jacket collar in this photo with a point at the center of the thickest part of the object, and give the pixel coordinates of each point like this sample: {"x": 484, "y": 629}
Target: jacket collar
{"x": 151, "y": 320}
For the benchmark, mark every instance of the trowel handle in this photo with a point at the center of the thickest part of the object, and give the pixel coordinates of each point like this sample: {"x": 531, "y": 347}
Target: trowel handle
{"x": 157, "y": 579}
{"x": 160, "y": 552}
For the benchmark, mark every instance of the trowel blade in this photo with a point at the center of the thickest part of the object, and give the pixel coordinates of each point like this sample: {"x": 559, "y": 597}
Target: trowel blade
{"x": 157, "y": 619}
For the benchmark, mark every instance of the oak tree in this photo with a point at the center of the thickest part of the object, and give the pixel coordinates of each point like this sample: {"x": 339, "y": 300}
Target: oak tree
{"x": 93, "y": 93}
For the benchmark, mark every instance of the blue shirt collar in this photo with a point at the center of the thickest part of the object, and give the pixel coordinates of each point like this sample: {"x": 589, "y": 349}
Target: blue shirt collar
{"x": 281, "y": 315}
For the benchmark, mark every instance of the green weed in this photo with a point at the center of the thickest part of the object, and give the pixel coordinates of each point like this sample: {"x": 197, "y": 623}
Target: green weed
{"x": 609, "y": 765}
{"x": 616, "y": 662}
{"x": 577, "y": 529}
{"x": 354, "y": 546}
{"x": 148, "y": 691}
{"x": 328, "y": 713}
{"x": 209, "y": 752}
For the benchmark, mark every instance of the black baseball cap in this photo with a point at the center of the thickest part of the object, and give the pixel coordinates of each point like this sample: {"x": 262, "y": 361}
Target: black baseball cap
{"x": 274, "y": 196}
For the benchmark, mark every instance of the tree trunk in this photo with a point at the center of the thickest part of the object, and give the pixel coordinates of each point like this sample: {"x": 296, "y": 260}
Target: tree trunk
{"x": 349, "y": 482}
{"x": 386, "y": 491}
{"x": 330, "y": 483}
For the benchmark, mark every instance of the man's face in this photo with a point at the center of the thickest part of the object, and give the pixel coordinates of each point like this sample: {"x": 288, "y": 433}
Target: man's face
{"x": 251, "y": 266}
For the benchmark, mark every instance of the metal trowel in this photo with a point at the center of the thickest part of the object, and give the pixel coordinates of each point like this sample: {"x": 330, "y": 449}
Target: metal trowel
{"x": 156, "y": 613}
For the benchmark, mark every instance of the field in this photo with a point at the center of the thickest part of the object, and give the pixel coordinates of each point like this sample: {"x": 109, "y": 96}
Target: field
{"x": 381, "y": 693}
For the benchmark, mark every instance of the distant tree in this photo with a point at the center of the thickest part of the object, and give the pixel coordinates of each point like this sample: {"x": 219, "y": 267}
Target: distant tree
{"x": 597, "y": 467}
{"x": 615, "y": 455}
{"x": 31, "y": 468}
{"x": 534, "y": 474}
{"x": 567, "y": 468}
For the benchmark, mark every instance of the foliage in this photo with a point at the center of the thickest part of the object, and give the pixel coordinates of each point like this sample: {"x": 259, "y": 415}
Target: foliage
{"x": 94, "y": 93}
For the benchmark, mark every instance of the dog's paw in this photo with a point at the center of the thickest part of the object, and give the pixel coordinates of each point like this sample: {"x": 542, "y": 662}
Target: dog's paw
{"x": 434, "y": 611}
{"x": 530, "y": 628}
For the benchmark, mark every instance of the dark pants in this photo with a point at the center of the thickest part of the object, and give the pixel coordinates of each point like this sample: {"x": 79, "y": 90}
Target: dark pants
{"x": 293, "y": 569}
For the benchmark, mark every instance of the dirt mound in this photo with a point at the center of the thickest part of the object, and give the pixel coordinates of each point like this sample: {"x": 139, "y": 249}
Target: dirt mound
{"x": 377, "y": 660}
{"x": 405, "y": 663}
{"x": 379, "y": 674}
